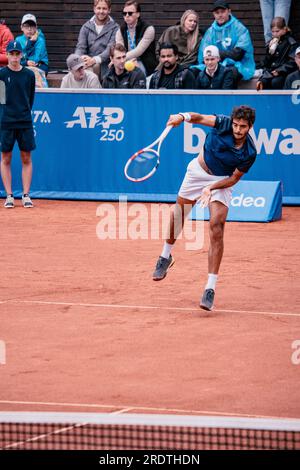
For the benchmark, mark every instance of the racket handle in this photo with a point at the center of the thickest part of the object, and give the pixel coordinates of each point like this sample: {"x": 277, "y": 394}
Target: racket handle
{"x": 160, "y": 139}
{"x": 163, "y": 136}
{"x": 165, "y": 133}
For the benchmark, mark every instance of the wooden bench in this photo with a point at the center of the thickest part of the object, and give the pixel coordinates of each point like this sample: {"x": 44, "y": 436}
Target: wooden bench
{"x": 54, "y": 79}
{"x": 247, "y": 84}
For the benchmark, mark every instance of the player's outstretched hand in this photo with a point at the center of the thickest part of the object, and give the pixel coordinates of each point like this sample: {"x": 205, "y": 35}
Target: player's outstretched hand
{"x": 205, "y": 197}
{"x": 174, "y": 120}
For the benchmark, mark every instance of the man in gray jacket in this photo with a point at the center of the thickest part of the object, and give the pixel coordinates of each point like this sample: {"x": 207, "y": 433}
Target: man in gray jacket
{"x": 96, "y": 37}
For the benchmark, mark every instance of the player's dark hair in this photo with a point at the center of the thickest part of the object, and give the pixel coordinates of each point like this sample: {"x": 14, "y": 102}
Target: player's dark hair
{"x": 244, "y": 112}
{"x": 168, "y": 45}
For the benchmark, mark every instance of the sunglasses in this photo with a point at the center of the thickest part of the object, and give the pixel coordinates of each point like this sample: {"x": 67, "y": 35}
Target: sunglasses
{"x": 129, "y": 13}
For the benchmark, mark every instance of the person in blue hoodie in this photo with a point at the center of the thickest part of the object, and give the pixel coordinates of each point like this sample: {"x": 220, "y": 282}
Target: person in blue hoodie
{"x": 33, "y": 43}
{"x": 232, "y": 39}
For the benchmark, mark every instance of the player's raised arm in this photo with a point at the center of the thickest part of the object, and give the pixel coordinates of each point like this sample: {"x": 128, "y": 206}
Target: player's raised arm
{"x": 193, "y": 118}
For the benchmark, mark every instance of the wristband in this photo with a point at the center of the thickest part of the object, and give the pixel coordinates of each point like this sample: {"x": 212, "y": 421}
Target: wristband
{"x": 186, "y": 116}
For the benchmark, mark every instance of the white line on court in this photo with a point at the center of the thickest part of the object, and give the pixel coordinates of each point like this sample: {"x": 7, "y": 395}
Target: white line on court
{"x": 124, "y": 409}
{"x": 119, "y": 412}
{"x": 146, "y": 307}
{"x": 41, "y": 437}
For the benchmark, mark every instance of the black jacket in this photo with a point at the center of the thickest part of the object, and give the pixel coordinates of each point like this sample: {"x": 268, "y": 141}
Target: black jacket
{"x": 148, "y": 57}
{"x": 222, "y": 79}
{"x": 181, "y": 77}
{"x": 283, "y": 58}
{"x": 134, "y": 79}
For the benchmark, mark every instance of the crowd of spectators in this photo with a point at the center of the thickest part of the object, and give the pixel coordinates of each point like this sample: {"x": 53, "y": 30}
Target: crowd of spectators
{"x": 126, "y": 55}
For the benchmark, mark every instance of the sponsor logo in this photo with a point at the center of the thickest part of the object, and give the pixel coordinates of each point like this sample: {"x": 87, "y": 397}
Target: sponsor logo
{"x": 285, "y": 141}
{"x": 248, "y": 201}
{"x": 296, "y": 92}
{"x": 40, "y": 117}
{"x": 89, "y": 117}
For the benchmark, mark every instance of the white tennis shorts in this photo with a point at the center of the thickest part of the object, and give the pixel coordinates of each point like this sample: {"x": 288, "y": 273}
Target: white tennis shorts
{"x": 196, "y": 179}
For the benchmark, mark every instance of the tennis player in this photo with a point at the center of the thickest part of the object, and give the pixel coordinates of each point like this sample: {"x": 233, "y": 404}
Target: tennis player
{"x": 228, "y": 153}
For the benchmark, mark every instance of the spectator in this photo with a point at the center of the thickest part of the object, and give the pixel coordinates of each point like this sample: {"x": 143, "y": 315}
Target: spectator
{"x": 215, "y": 76}
{"x": 186, "y": 36}
{"x": 78, "y": 77}
{"x": 138, "y": 37}
{"x": 292, "y": 81}
{"x": 5, "y": 37}
{"x": 279, "y": 60}
{"x": 171, "y": 75}
{"x": 96, "y": 37}
{"x": 232, "y": 39}
{"x": 271, "y": 9}
{"x": 33, "y": 43}
{"x": 118, "y": 76}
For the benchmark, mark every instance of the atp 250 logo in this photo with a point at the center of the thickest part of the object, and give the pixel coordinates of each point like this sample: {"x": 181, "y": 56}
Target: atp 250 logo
{"x": 88, "y": 117}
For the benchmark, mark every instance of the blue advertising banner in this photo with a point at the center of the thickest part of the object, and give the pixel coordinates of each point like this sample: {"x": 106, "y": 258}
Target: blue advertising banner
{"x": 85, "y": 138}
{"x": 252, "y": 201}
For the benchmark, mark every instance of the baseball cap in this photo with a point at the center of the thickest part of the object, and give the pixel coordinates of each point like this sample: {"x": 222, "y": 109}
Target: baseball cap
{"x": 220, "y": 4}
{"x": 74, "y": 62}
{"x": 211, "y": 51}
{"x": 14, "y": 46}
{"x": 29, "y": 17}
{"x": 297, "y": 51}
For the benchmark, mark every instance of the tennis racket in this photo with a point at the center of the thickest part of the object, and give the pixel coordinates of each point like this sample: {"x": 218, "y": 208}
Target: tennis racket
{"x": 144, "y": 163}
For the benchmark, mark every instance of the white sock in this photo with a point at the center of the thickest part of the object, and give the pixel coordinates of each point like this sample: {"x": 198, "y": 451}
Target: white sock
{"x": 166, "y": 250}
{"x": 211, "y": 281}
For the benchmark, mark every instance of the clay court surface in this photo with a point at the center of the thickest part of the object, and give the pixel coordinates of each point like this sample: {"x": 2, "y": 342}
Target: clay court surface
{"x": 86, "y": 328}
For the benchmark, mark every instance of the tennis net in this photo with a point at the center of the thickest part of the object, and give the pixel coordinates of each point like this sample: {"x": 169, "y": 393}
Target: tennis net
{"x": 91, "y": 431}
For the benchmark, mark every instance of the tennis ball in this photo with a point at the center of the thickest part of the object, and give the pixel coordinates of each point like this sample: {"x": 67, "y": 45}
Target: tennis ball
{"x": 129, "y": 65}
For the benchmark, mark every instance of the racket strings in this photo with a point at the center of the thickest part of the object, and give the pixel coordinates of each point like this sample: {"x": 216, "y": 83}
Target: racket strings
{"x": 143, "y": 165}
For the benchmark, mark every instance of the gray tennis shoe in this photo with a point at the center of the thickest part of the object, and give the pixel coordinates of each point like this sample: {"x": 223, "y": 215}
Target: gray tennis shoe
{"x": 207, "y": 299}
{"x": 26, "y": 200}
{"x": 9, "y": 202}
{"x": 162, "y": 267}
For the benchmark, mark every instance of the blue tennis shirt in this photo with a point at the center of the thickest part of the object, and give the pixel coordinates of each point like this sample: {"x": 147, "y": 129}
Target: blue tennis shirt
{"x": 220, "y": 154}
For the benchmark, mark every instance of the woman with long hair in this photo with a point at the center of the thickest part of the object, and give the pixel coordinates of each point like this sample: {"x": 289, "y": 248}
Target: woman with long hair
{"x": 279, "y": 59}
{"x": 186, "y": 36}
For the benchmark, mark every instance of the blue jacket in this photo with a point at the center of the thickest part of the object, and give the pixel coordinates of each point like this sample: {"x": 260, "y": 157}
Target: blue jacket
{"x": 226, "y": 37}
{"x": 34, "y": 50}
